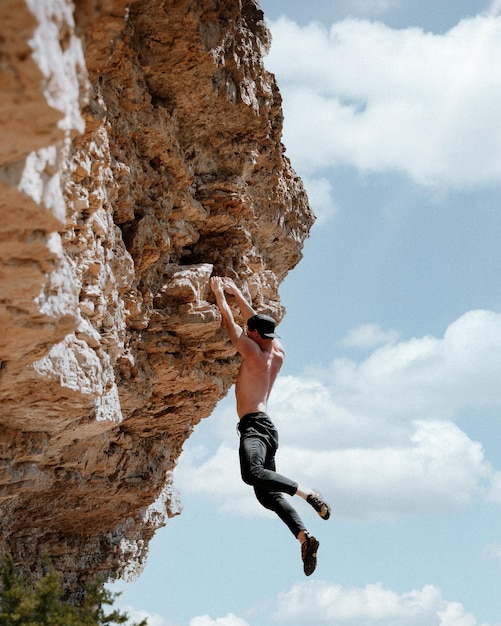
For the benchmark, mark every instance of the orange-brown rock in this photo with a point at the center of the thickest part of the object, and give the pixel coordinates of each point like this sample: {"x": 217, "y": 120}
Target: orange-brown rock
{"x": 141, "y": 153}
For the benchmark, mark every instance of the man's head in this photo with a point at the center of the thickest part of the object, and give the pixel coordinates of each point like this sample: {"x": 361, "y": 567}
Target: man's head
{"x": 264, "y": 324}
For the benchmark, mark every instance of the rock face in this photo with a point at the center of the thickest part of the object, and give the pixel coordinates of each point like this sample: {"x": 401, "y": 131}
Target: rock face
{"x": 141, "y": 153}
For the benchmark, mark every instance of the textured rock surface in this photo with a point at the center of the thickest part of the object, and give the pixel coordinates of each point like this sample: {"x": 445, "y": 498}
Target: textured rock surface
{"x": 141, "y": 152}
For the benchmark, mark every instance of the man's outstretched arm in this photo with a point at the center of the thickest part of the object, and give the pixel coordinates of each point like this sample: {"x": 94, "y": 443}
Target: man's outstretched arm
{"x": 245, "y": 308}
{"x": 232, "y": 328}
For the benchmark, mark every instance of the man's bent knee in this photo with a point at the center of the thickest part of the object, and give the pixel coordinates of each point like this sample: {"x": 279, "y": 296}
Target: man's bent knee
{"x": 271, "y": 500}
{"x": 253, "y": 475}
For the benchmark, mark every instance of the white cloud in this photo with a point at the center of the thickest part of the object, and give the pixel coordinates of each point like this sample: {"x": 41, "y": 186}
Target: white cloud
{"x": 153, "y": 619}
{"x": 425, "y": 377}
{"x": 377, "y": 437}
{"x": 494, "y": 493}
{"x": 437, "y": 470}
{"x": 317, "y": 602}
{"x": 229, "y": 620}
{"x": 320, "y": 197}
{"x": 217, "y": 476}
{"x": 379, "y": 99}
{"x": 370, "y": 336}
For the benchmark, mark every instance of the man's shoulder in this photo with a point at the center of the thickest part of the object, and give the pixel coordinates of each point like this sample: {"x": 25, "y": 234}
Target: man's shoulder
{"x": 248, "y": 347}
{"x": 278, "y": 348}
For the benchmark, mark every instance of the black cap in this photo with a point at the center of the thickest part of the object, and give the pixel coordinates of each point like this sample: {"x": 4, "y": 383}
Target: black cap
{"x": 264, "y": 324}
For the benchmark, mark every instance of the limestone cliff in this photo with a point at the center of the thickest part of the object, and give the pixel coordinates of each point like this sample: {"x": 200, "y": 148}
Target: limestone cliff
{"x": 140, "y": 153}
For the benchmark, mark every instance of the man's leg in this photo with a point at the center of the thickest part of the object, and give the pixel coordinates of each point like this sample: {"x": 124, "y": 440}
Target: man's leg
{"x": 257, "y": 464}
{"x": 256, "y": 459}
{"x": 275, "y": 501}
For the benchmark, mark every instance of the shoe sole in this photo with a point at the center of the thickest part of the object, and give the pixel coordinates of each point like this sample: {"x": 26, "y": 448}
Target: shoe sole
{"x": 310, "y": 558}
{"x": 325, "y": 509}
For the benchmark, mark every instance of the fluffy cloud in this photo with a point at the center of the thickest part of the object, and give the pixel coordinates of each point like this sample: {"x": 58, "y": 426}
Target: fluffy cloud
{"x": 229, "y": 620}
{"x": 326, "y": 603}
{"x": 494, "y": 493}
{"x": 370, "y": 336}
{"x": 320, "y": 197}
{"x": 377, "y": 437}
{"x": 217, "y": 476}
{"x": 379, "y": 99}
{"x": 437, "y": 470}
{"x": 423, "y": 378}
{"x": 153, "y": 619}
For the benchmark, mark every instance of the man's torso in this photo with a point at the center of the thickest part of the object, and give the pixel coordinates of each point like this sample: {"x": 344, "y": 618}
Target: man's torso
{"x": 255, "y": 380}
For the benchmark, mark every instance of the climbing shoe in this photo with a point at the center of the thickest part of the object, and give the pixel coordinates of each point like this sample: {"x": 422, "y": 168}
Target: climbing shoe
{"x": 319, "y": 504}
{"x": 309, "y": 554}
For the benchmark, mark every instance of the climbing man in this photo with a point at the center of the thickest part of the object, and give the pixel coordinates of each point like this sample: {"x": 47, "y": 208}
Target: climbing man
{"x": 262, "y": 358}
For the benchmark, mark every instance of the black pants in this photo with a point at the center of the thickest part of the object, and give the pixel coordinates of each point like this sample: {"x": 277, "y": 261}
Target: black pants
{"x": 258, "y": 445}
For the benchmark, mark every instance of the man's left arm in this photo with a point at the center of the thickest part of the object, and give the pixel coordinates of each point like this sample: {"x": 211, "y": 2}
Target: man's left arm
{"x": 232, "y": 328}
{"x": 237, "y": 336}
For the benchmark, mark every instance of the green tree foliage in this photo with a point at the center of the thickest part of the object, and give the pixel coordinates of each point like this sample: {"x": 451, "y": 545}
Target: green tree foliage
{"x": 44, "y": 605}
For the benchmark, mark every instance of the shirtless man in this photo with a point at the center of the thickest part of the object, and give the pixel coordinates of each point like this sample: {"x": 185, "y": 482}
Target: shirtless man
{"x": 263, "y": 357}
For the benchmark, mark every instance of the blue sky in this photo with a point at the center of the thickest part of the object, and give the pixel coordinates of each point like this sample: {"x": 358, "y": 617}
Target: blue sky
{"x": 389, "y": 401}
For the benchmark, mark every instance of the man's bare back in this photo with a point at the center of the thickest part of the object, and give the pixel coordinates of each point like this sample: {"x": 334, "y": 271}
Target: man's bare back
{"x": 256, "y": 377}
